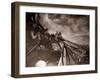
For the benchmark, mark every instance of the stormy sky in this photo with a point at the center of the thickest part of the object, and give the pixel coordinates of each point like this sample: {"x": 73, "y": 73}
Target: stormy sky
{"x": 74, "y": 28}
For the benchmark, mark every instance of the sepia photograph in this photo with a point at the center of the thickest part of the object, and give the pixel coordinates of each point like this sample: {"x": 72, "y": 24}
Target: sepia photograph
{"x": 52, "y": 39}
{"x": 56, "y": 39}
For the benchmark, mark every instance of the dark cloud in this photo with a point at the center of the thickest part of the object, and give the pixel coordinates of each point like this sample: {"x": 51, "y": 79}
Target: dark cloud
{"x": 73, "y": 27}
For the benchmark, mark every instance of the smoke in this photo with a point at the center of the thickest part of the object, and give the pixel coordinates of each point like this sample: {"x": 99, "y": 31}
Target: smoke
{"x": 74, "y": 28}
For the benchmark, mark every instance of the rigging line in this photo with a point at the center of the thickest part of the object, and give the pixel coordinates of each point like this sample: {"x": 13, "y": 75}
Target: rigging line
{"x": 71, "y": 54}
{"x": 71, "y": 44}
{"x": 61, "y": 52}
{"x": 67, "y": 55}
{"x": 32, "y": 48}
{"x": 74, "y": 45}
{"x": 79, "y": 55}
{"x": 62, "y": 56}
{"x": 77, "y": 49}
